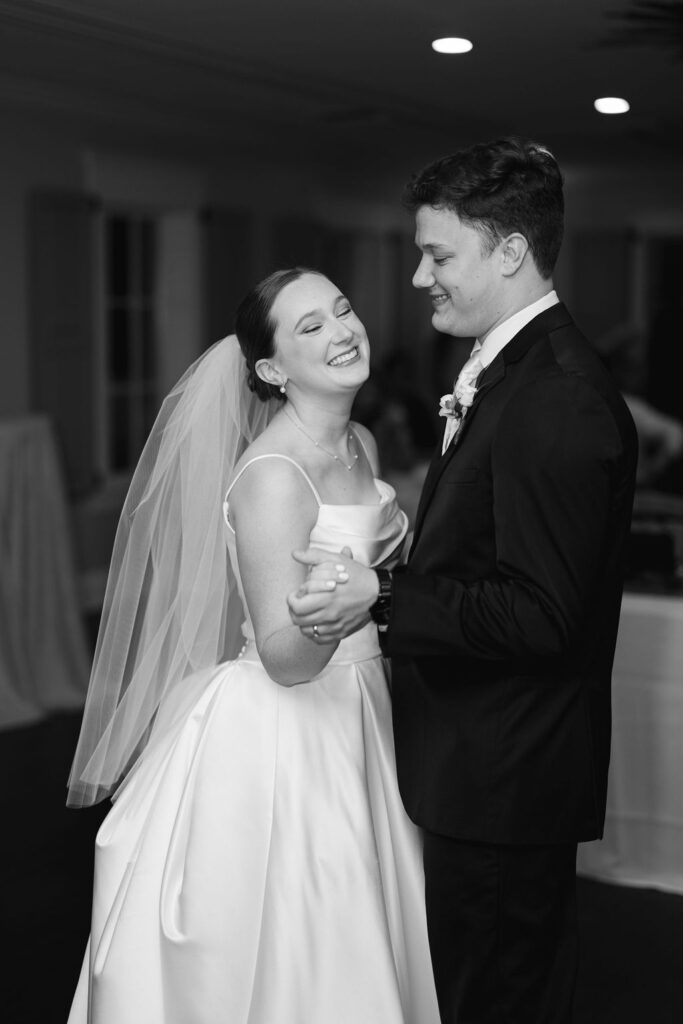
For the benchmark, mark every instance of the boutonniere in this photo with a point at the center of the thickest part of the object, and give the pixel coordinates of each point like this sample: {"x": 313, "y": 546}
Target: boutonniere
{"x": 455, "y": 405}
{"x": 448, "y": 406}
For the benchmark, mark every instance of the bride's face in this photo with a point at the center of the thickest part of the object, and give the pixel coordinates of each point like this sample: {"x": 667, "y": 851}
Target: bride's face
{"x": 320, "y": 344}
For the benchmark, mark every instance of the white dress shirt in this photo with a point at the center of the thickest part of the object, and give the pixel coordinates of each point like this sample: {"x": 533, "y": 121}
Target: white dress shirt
{"x": 496, "y": 341}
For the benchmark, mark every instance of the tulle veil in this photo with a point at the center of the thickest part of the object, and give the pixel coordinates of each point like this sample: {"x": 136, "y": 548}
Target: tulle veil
{"x": 171, "y": 605}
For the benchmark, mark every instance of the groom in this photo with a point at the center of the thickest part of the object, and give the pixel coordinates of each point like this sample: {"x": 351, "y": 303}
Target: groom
{"x": 501, "y": 627}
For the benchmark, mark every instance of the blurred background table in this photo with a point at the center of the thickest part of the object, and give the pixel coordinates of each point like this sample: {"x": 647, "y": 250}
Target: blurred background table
{"x": 43, "y": 650}
{"x": 643, "y": 842}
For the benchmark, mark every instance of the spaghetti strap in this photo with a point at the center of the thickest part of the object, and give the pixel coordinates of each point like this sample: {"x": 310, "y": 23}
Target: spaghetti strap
{"x": 257, "y": 458}
{"x": 360, "y": 441}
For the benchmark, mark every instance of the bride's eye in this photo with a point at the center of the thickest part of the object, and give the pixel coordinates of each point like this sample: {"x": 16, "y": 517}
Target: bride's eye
{"x": 344, "y": 311}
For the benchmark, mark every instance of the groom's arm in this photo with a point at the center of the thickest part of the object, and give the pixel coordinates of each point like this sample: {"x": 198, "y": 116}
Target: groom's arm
{"x": 561, "y": 469}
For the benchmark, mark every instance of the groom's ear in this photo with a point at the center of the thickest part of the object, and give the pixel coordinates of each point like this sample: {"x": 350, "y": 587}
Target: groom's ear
{"x": 513, "y": 249}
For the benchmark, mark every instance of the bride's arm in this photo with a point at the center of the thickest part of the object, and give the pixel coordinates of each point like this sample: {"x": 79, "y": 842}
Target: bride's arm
{"x": 273, "y": 511}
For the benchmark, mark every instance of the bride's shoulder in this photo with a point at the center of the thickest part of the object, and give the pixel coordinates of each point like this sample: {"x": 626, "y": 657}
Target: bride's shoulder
{"x": 267, "y": 470}
{"x": 270, "y": 495}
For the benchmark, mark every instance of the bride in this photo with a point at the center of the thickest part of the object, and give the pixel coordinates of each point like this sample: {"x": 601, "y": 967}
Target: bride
{"x": 257, "y": 866}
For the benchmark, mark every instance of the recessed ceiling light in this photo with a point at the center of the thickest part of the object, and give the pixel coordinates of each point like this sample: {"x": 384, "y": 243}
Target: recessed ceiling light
{"x": 451, "y": 44}
{"x": 612, "y": 105}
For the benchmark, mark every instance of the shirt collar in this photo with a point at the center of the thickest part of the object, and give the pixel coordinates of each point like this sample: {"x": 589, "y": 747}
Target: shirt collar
{"x": 496, "y": 341}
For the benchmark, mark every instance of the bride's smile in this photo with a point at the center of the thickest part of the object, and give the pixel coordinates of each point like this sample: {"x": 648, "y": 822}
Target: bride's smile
{"x": 317, "y": 327}
{"x": 349, "y": 356}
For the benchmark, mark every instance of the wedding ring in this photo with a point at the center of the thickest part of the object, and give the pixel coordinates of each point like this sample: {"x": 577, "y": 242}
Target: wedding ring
{"x": 316, "y": 634}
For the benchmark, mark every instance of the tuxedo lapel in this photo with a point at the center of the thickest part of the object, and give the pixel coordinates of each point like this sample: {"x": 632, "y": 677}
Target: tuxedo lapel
{"x": 427, "y": 490}
{"x": 491, "y": 376}
{"x": 549, "y": 320}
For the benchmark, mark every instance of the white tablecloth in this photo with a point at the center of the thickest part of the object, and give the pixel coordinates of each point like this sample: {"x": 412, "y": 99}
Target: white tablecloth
{"x": 44, "y": 662}
{"x": 643, "y": 843}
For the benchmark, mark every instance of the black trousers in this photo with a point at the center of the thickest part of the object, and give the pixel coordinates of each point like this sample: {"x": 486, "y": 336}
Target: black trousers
{"x": 502, "y": 931}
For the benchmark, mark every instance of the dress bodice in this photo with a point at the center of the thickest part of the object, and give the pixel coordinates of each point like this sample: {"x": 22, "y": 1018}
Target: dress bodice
{"x": 374, "y": 533}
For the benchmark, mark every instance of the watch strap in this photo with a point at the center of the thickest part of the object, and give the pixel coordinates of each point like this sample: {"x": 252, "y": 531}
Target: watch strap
{"x": 381, "y": 610}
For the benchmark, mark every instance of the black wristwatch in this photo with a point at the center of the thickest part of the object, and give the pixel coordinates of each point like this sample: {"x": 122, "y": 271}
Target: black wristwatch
{"x": 380, "y": 611}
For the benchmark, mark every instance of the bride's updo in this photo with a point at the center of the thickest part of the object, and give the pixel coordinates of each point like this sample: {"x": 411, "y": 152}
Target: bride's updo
{"x": 255, "y": 327}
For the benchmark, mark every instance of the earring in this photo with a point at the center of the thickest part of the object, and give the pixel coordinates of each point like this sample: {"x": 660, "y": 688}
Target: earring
{"x": 282, "y": 386}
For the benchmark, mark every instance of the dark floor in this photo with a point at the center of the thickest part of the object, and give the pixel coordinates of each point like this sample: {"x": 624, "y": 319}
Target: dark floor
{"x": 632, "y": 939}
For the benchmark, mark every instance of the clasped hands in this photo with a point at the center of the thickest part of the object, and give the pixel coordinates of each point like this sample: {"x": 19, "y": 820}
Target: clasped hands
{"x": 335, "y": 599}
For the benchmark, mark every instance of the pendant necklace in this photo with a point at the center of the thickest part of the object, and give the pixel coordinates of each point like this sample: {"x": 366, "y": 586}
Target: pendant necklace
{"x": 322, "y": 449}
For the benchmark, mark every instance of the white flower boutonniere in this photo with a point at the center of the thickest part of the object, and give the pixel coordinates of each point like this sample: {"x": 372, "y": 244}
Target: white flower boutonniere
{"x": 455, "y": 405}
{"x": 448, "y": 406}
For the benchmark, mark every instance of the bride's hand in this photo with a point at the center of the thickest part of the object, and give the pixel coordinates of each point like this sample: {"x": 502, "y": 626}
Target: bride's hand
{"x": 324, "y": 576}
{"x": 327, "y": 612}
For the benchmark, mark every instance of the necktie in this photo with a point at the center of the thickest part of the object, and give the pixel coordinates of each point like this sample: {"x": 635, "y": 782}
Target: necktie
{"x": 463, "y": 395}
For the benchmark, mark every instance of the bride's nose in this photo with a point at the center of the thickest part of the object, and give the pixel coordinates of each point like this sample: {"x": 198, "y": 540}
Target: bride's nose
{"x": 342, "y": 333}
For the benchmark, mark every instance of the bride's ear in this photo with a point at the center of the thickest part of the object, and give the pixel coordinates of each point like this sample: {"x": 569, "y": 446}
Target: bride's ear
{"x": 268, "y": 373}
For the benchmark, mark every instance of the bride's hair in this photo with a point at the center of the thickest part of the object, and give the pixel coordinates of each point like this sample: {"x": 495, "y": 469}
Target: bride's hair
{"x": 255, "y": 327}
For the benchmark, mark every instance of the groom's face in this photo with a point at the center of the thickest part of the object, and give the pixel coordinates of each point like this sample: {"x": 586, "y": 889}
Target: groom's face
{"x": 462, "y": 276}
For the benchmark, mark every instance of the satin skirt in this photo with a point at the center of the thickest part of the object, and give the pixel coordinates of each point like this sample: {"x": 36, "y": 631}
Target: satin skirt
{"x": 258, "y": 867}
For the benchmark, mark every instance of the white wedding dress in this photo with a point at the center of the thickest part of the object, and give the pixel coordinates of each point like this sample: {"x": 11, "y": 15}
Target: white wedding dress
{"x": 257, "y": 866}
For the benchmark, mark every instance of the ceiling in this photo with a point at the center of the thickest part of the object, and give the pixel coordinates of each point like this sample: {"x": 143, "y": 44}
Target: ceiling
{"x": 354, "y": 83}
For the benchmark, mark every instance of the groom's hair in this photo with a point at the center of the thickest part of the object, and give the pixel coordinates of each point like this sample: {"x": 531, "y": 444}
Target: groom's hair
{"x": 499, "y": 187}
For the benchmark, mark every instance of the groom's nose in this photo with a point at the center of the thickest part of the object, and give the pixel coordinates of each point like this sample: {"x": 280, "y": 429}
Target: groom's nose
{"x": 423, "y": 276}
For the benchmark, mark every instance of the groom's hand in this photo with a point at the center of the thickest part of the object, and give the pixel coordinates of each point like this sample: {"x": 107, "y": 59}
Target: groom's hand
{"x": 334, "y": 610}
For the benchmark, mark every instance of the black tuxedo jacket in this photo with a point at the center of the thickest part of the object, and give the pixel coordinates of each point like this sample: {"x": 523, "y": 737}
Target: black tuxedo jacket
{"x": 504, "y": 620}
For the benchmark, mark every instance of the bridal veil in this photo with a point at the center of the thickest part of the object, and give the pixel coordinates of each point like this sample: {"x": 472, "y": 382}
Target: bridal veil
{"x": 171, "y": 606}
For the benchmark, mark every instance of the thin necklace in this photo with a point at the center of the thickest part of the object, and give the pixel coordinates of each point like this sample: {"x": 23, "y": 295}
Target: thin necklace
{"x": 322, "y": 449}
